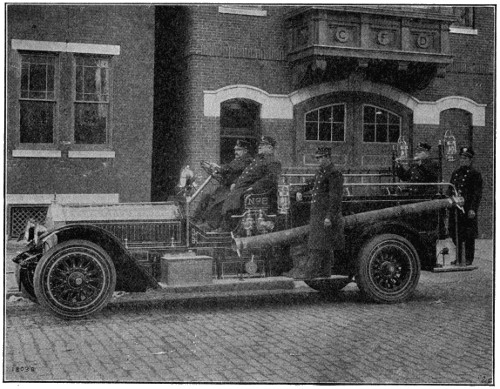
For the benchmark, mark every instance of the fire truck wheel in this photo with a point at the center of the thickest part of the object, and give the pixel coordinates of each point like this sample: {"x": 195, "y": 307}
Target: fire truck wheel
{"x": 75, "y": 279}
{"x": 388, "y": 269}
{"x": 24, "y": 278}
{"x": 329, "y": 286}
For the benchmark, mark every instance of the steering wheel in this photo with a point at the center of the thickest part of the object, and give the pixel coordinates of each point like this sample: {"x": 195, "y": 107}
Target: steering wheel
{"x": 211, "y": 169}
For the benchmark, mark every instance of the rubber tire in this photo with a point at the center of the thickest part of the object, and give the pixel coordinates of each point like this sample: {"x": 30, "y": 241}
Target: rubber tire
{"x": 329, "y": 286}
{"x": 372, "y": 281}
{"x": 75, "y": 257}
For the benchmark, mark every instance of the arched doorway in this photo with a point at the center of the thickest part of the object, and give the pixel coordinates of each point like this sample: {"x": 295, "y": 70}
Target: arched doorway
{"x": 361, "y": 128}
{"x": 239, "y": 119}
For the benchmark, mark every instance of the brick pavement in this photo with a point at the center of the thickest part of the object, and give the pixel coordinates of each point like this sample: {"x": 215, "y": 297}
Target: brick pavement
{"x": 443, "y": 335}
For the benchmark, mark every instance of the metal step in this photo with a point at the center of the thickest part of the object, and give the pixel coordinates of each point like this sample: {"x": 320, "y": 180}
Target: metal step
{"x": 453, "y": 268}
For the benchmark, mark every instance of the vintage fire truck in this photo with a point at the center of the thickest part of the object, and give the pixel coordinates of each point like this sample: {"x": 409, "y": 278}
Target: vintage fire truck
{"x": 73, "y": 264}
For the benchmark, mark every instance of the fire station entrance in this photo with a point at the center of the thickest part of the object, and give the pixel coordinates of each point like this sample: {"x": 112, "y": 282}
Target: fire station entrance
{"x": 361, "y": 128}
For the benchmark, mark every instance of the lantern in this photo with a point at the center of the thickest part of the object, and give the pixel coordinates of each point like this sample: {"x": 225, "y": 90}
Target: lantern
{"x": 402, "y": 148}
{"x": 450, "y": 146}
{"x": 283, "y": 198}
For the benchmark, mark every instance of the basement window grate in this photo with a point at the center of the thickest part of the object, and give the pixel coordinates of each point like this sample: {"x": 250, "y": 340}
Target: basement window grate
{"x": 19, "y": 215}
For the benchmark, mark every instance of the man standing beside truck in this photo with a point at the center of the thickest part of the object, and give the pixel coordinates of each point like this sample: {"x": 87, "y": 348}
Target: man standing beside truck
{"x": 469, "y": 184}
{"x": 326, "y": 223}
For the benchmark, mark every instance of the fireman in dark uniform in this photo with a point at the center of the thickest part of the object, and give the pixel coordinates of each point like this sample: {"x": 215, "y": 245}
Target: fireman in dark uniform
{"x": 260, "y": 176}
{"x": 209, "y": 210}
{"x": 424, "y": 169}
{"x": 469, "y": 184}
{"x": 326, "y": 223}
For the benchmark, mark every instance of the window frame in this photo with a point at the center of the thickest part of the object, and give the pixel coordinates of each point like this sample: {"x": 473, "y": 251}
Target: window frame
{"x": 464, "y": 29}
{"x": 363, "y": 106}
{"x": 318, "y": 109}
{"x": 64, "y": 115}
{"x": 56, "y": 101}
{"x": 109, "y": 125}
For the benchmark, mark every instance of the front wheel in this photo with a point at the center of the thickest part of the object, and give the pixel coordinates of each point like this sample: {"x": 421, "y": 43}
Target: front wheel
{"x": 388, "y": 269}
{"x": 75, "y": 279}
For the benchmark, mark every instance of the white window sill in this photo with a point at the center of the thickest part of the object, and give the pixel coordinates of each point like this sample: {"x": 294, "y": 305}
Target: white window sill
{"x": 463, "y": 30}
{"x": 90, "y": 154}
{"x": 224, "y": 9}
{"x": 36, "y": 153}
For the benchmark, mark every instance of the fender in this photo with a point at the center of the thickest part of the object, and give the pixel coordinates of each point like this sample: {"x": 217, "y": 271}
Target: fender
{"x": 425, "y": 244}
{"x": 131, "y": 277}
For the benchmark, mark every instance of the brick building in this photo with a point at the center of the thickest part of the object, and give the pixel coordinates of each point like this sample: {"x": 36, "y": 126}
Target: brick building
{"x": 130, "y": 94}
{"x": 354, "y": 78}
{"x": 80, "y": 106}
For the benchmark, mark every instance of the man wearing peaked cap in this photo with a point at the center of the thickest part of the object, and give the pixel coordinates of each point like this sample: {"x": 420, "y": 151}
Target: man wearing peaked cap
{"x": 424, "y": 169}
{"x": 469, "y": 184}
{"x": 267, "y": 140}
{"x": 241, "y": 145}
{"x": 422, "y": 146}
{"x": 326, "y": 222}
{"x": 209, "y": 210}
{"x": 260, "y": 176}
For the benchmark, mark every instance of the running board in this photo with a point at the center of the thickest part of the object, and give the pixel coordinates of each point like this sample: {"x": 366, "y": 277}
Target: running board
{"x": 453, "y": 268}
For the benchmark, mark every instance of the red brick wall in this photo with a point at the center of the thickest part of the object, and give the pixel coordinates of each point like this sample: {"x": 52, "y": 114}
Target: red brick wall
{"x": 129, "y": 173}
{"x": 227, "y": 49}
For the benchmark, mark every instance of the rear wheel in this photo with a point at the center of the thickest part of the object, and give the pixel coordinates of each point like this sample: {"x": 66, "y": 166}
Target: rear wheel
{"x": 75, "y": 279}
{"x": 388, "y": 269}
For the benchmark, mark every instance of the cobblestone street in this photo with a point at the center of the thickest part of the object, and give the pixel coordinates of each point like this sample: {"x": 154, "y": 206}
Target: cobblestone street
{"x": 442, "y": 335}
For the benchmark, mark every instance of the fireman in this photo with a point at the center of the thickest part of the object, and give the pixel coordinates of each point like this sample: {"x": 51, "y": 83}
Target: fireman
{"x": 326, "y": 232}
{"x": 469, "y": 184}
{"x": 209, "y": 210}
{"x": 423, "y": 170}
{"x": 261, "y": 176}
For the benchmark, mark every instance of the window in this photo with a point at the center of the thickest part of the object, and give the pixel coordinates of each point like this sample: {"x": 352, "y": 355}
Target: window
{"x": 64, "y": 97}
{"x": 380, "y": 126}
{"x": 91, "y": 100}
{"x": 326, "y": 124}
{"x": 465, "y": 17}
{"x": 37, "y": 98}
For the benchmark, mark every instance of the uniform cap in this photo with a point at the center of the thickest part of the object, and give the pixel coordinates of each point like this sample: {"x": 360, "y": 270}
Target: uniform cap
{"x": 467, "y": 151}
{"x": 242, "y": 145}
{"x": 422, "y": 146}
{"x": 267, "y": 140}
{"x": 323, "y": 151}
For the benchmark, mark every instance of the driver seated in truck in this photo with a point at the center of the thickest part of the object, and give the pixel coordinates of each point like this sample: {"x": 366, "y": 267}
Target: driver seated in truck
{"x": 423, "y": 169}
{"x": 260, "y": 176}
{"x": 208, "y": 213}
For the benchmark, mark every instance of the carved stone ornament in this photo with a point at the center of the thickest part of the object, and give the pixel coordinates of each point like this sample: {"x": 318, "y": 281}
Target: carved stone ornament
{"x": 424, "y": 41}
{"x": 384, "y": 37}
{"x": 342, "y": 34}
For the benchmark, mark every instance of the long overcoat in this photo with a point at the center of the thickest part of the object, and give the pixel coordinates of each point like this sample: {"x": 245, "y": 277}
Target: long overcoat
{"x": 427, "y": 171}
{"x": 326, "y": 202}
{"x": 229, "y": 174}
{"x": 469, "y": 184}
{"x": 211, "y": 204}
{"x": 261, "y": 175}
